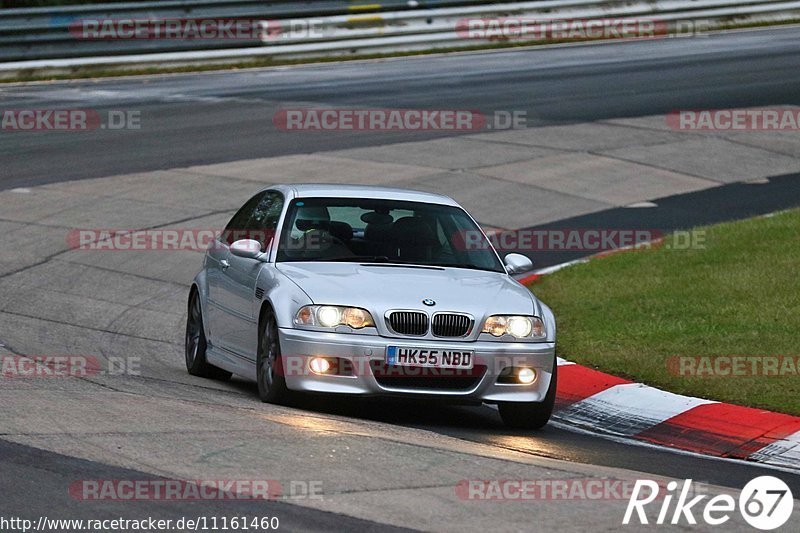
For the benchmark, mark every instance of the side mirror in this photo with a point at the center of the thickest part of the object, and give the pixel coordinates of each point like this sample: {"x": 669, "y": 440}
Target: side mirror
{"x": 247, "y": 248}
{"x": 518, "y": 263}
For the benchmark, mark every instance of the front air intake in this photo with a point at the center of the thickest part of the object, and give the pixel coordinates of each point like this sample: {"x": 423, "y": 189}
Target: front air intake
{"x": 452, "y": 324}
{"x": 409, "y": 322}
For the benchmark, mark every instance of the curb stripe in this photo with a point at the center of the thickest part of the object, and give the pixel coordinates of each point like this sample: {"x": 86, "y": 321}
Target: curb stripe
{"x": 723, "y": 429}
{"x": 576, "y": 383}
{"x": 628, "y": 410}
{"x": 527, "y": 280}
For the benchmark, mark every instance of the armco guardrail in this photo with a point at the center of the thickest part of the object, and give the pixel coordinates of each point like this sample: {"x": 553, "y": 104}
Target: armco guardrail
{"x": 450, "y": 25}
{"x": 42, "y": 33}
{"x": 334, "y": 28}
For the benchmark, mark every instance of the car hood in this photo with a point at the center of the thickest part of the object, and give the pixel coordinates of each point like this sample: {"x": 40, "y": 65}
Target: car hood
{"x": 379, "y": 288}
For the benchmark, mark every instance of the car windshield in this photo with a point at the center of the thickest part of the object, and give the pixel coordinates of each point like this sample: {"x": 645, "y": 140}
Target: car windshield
{"x": 384, "y": 231}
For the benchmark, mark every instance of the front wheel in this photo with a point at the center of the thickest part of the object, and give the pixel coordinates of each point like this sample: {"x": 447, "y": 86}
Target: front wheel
{"x": 196, "y": 344}
{"x": 269, "y": 366}
{"x": 531, "y": 415}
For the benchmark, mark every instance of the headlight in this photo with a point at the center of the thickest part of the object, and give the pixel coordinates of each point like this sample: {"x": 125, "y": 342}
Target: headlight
{"x": 330, "y": 316}
{"x": 521, "y": 327}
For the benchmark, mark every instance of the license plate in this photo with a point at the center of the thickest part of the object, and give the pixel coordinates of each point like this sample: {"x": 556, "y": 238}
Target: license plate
{"x": 426, "y": 357}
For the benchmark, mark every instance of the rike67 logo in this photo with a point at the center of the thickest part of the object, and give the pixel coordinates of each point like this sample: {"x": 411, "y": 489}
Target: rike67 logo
{"x": 765, "y": 503}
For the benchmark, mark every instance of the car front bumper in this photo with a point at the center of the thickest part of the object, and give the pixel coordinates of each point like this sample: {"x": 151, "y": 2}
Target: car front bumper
{"x": 363, "y": 351}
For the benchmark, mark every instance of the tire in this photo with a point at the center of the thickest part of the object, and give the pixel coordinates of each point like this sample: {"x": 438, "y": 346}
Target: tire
{"x": 531, "y": 415}
{"x": 269, "y": 366}
{"x": 196, "y": 344}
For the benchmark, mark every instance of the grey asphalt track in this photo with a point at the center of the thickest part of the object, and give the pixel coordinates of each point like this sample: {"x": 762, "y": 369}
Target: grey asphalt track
{"x": 227, "y": 116}
{"x": 46, "y": 474}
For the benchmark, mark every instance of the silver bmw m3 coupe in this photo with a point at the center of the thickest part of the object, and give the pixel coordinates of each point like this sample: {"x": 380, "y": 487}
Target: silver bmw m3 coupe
{"x": 344, "y": 289}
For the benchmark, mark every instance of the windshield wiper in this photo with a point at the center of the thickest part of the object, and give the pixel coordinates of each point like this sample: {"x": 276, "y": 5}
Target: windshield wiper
{"x": 384, "y": 260}
{"x": 466, "y": 265}
{"x": 436, "y": 266}
{"x": 400, "y": 264}
{"x": 356, "y": 259}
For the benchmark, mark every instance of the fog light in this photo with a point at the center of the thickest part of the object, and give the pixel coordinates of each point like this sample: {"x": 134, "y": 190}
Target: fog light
{"x": 526, "y": 376}
{"x": 319, "y": 365}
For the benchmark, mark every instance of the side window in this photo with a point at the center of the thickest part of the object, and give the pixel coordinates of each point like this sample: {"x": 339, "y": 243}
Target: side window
{"x": 238, "y": 224}
{"x": 264, "y": 219}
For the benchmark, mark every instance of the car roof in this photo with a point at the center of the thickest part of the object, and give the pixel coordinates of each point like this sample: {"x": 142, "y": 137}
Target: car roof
{"x": 335, "y": 190}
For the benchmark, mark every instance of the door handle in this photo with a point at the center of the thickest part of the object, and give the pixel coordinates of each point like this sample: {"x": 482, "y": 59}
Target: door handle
{"x": 225, "y": 264}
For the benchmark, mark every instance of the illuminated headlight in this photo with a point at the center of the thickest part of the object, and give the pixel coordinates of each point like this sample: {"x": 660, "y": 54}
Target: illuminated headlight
{"x": 521, "y": 327}
{"x": 330, "y": 316}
